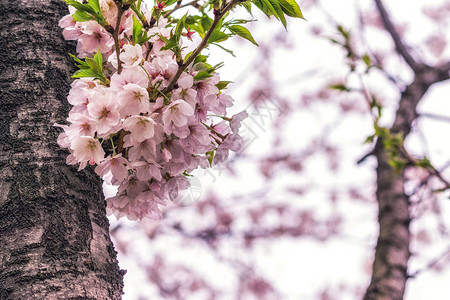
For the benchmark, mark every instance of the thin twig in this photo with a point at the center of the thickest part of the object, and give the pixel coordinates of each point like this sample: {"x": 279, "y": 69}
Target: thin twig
{"x": 435, "y": 117}
{"x": 218, "y": 14}
{"x": 122, "y": 134}
{"x": 120, "y": 12}
{"x": 177, "y": 7}
{"x": 430, "y": 169}
{"x": 431, "y": 264}
{"x": 399, "y": 44}
{"x": 425, "y": 181}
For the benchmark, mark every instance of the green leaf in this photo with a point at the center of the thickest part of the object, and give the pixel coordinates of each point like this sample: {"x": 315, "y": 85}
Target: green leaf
{"x": 170, "y": 2}
{"x": 202, "y": 75}
{"x": 370, "y": 139}
{"x": 291, "y": 8}
{"x": 343, "y": 32}
{"x": 180, "y": 26}
{"x": 340, "y": 87}
{"x": 210, "y": 155}
{"x": 238, "y": 21}
{"x": 92, "y": 67}
{"x": 335, "y": 41}
{"x": 247, "y": 6}
{"x": 137, "y": 30}
{"x": 268, "y": 9}
{"x": 194, "y": 23}
{"x": 366, "y": 59}
{"x": 95, "y": 5}
{"x": 99, "y": 60}
{"x": 223, "y": 84}
{"x": 242, "y": 32}
{"x": 85, "y": 73}
{"x": 200, "y": 58}
{"x": 82, "y": 64}
{"x": 216, "y": 67}
{"x": 92, "y": 64}
{"x": 397, "y": 164}
{"x": 188, "y": 55}
{"x": 225, "y": 49}
{"x": 81, "y": 6}
{"x": 136, "y": 10}
{"x": 206, "y": 22}
{"x": 198, "y": 29}
{"x": 80, "y": 16}
{"x": 201, "y": 66}
{"x": 218, "y": 36}
{"x": 424, "y": 163}
{"x": 96, "y": 63}
{"x": 279, "y": 11}
{"x": 381, "y": 132}
{"x": 171, "y": 43}
{"x": 191, "y": 20}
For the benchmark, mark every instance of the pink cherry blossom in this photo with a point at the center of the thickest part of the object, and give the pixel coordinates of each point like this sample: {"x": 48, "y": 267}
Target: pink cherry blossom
{"x": 161, "y": 70}
{"x": 141, "y": 127}
{"x": 71, "y": 30}
{"x": 105, "y": 114}
{"x": 236, "y": 120}
{"x": 132, "y": 186}
{"x": 133, "y": 99}
{"x": 81, "y": 93}
{"x": 207, "y": 87}
{"x": 145, "y": 149}
{"x": 223, "y": 102}
{"x": 94, "y": 37}
{"x": 86, "y": 148}
{"x": 81, "y": 125}
{"x": 198, "y": 141}
{"x": 117, "y": 165}
{"x": 208, "y": 102}
{"x": 63, "y": 140}
{"x": 175, "y": 185}
{"x": 166, "y": 155}
{"x": 177, "y": 113}
{"x": 146, "y": 171}
{"x": 131, "y": 55}
{"x": 185, "y": 90}
{"x": 129, "y": 75}
{"x": 109, "y": 10}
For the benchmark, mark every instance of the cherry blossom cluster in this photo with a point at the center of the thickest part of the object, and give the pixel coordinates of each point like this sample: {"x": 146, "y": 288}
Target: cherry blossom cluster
{"x": 142, "y": 137}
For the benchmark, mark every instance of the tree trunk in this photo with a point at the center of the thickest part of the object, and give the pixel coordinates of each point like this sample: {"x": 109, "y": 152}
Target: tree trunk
{"x": 392, "y": 253}
{"x": 389, "y": 273}
{"x": 54, "y": 239}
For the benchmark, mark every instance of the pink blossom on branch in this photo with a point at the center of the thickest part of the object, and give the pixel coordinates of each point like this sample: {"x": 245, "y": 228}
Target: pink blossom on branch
{"x": 141, "y": 127}
{"x": 152, "y": 138}
{"x": 86, "y": 148}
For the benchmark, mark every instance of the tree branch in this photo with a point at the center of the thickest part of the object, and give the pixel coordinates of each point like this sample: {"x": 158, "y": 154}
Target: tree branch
{"x": 120, "y": 12}
{"x": 430, "y": 169}
{"x": 399, "y": 44}
{"x": 436, "y": 117}
{"x": 178, "y": 6}
{"x": 218, "y": 14}
{"x": 431, "y": 264}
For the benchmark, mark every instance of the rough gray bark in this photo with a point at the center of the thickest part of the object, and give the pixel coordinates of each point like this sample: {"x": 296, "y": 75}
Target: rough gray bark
{"x": 390, "y": 266}
{"x": 54, "y": 240}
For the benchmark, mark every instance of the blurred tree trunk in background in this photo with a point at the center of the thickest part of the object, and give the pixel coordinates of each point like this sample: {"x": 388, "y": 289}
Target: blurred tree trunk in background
{"x": 390, "y": 267}
{"x": 54, "y": 240}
